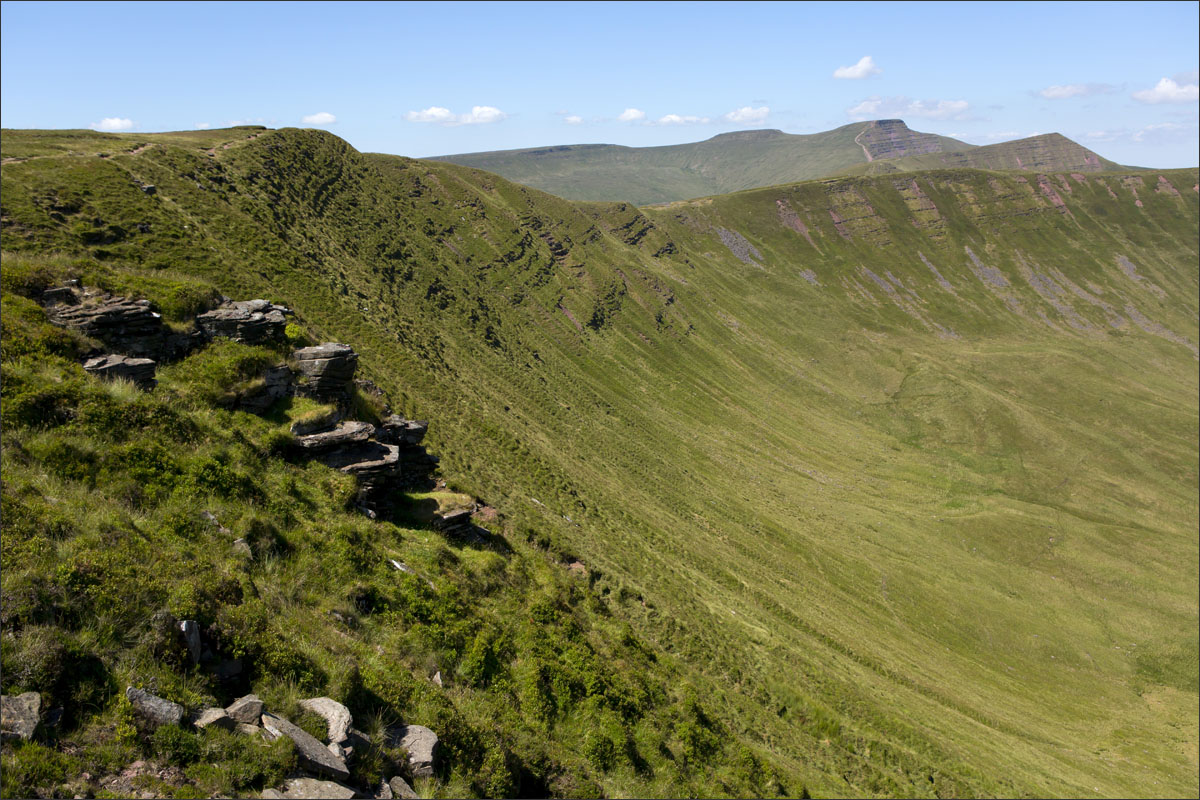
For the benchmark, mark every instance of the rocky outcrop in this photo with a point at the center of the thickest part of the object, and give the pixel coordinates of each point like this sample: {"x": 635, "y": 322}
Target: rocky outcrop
{"x": 191, "y": 636}
{"x": 326, "y": 370}
{"x": 153, "y": 710}
{"x": 246, "y": 709}
{"x": 19, "y": 715}
{"x": 310, "y": 789}
{"x": 421, "y": 744}
{"x": 247, "y": 321}
{"x": 276, "y": 384}
{"x": 336, "y": 716}
{"x": 321, "y": 422}
{"x": 400, "y": 789}
{"x": 113, "y": 367}
{"x": 126, "y": 326}
{"x": 344, "y": 434}
{"x": 215, "y": 718}
{"x": 312, "y": 755}
{"x": 456, "y": 523}
{"x": 398, "y": 430}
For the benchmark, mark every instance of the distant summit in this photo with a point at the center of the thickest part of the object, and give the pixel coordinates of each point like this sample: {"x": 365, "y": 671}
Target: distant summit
{"x": 730, "y": 162}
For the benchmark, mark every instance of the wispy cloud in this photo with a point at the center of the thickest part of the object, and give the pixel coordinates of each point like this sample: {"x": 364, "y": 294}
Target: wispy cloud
{"x": 478, "y": 115}
{"x": 747, "y": 115}
{"x": 573, "y": 119}
{"x": 902, "y": 107}
{"x": 632, "y": 115}
{"x": 1169, "y": 91}
{"x": 112, "y": 124}
{"x": 865, "y": 68}
{"x": 202, "y": 126}
{"x": 1076, "y": 90}
{"x": 1159, "y": 133}
{"x": 677, "y": 119}
{"x": 320, "y": 118}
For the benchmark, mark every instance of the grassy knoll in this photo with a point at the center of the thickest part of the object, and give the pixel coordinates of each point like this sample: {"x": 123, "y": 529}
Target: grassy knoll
{"x": 897, "y": 474}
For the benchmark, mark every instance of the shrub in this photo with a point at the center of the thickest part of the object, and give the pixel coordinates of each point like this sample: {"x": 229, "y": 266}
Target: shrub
{"x": 175, "y": 745}
{"x": 31, "y": 770}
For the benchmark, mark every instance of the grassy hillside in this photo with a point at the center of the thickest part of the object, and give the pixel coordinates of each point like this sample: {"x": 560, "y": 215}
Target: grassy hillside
{"x": 725, "y": 163}
{"x": 898, "y": 474}
{"x": 749, "y": 159}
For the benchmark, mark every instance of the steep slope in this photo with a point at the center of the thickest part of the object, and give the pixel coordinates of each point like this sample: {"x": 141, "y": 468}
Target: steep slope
{"x": 1049, "y": 152}
{"x": 899, "y": 470}
{"x": 725, "y": 163}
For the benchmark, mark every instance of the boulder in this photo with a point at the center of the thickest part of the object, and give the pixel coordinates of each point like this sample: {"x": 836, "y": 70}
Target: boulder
{"x": 313, "y": 755}
{"x": 454, "y": 523}
{"x": 246, "y": 709}
{"x": 214, "y": 717}
{"x": 61, "y": 294}
{"x": 311, "y": 789}
{"x": 153, "y": 710}
{"x": 398, "y": 430}
{"x": 112, "y": 367}
{"x": 123, "y": 323}
{"x": 327, "y": 369}
{"x": 248, "y": 321}
{"x": 19, "y": 715}
{"x": 401, "y": 789}
{"x": 347, "y": 433}
{"x": 336, "y": 715}
{"x": 365, "y": 459}
{"x": 421, "y": 744}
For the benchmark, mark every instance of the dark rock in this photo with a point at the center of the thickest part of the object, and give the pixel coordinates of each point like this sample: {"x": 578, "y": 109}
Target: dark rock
{"x": 246, "y": 709}
{"x": 313, "y": 755}
{"x": 65, "y": 295}
{"x": 229, "y": 669}
{"x": 155, "y": 711}
{"x": 150, "y": 189}
{"x": 129, "y": 327}
{"x": 111, "y": 367}
{"x": 327, "y": 370}
{"x": 347, "y": 433}
{"x": 454, "y": 522}
{"x": 191, "y": 635}
{"x": 214, "y": 717}
{"x": 421, "y": 744}
{"x": 398, "y": 430}
{"x": 248, "y": 321}
{"x": 19, "y": 715}
{"x": 401, "y": 789}
{"x": 336, "y": 715}
{"x": 367, "y": 459}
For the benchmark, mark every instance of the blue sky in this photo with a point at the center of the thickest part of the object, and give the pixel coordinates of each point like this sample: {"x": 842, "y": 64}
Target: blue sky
{"x": 425, "y": 79}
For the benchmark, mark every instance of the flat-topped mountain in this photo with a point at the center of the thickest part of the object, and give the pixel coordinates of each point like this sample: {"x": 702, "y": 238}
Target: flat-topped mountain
{"x": 731, "y": 162}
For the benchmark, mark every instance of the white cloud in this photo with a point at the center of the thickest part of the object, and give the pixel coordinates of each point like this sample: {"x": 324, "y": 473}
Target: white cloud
{"x": 573, "y": 120}
{"x": 1188, "y": 77}
{"x": 112, "y": 124}
{"x": 478, "y": 115}
{"x": 676, "y": 119}
{"x": 865, "y": 68}
{"x": 320, "y": 118}
{"x": 1169, "y": 91}
{"x": 1161, "y": 131}
{"x": 902, "y": 107}
{"x": 632, "y": 115}
{"x": 1075, "y": 90}
{"x": 202, "y": 126}
{"x": 747, "y": 115}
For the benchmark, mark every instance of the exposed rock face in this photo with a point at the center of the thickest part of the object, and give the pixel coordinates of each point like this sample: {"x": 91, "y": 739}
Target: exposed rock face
{"x": 155, "y": 711}
{"x": 367, "y": 460}
{"x": 347, "y": 433}
{"x": 336, "y": 715}
{"x": 313, "y": 755}
{"x": 19, "y": 715}
{"x": 398, "y": 430}
{"x": 421, "y": 744}
{"x": 311, "y": 789}
{"x": 248, "y": 321}
{"x": 456, "y": 523}
{"x": 327, "y": 370}
{"x": 321, "y": 423}
{"x": 112, "y": 366}
{"x": 246, "y": 709}
{"x": 127, "y": 326}
{"x": 214, "y": 717}
{"x": 401, "y": 789}
{"x": 276, "y": 384}
{"x": 191, "y": 635}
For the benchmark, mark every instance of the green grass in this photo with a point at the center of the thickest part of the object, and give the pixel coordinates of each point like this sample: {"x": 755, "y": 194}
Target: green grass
{"x": 907, "y": 541}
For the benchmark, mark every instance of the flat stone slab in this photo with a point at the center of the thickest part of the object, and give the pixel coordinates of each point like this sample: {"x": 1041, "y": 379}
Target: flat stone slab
{"x": 245, "y": 709}
{"x": 364, "y": 458}
{"x": 19, "y": 715}
{"x": 113, "y": 366}
{"x": 214, "y": 718}
{"x": 249, "y": 321}
{"x": 313, "y": 755}
{"x": 336, "y": 715}
{"x": 154, "y": 710}
{"x": 311, "y": 789}
{"x": 347, "y": 433}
